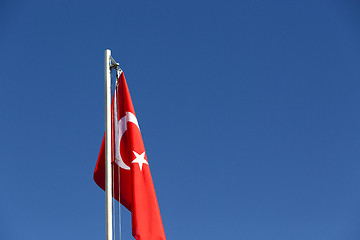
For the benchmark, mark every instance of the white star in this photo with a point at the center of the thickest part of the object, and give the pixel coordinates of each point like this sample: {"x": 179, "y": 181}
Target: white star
{"x": 140, "y": 159}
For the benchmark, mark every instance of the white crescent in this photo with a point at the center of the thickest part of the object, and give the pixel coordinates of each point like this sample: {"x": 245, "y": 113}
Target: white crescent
{"x": 120, "y": 128}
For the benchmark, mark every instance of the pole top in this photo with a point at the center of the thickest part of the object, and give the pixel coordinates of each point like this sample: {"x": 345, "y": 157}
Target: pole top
{"x": 113, "y": 63}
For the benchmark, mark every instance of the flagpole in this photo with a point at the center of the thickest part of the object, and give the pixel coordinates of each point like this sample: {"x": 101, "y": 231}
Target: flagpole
{"x": 108, "y": 177}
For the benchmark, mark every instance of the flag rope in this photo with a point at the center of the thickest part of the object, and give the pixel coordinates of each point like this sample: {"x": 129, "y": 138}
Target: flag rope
{"x": 119, "y": 207}
{"x": 118, "y": 72}
{"x": 112, "y": 167}
{"x": 113, "y": 201}
{"x": 115, "y": 65}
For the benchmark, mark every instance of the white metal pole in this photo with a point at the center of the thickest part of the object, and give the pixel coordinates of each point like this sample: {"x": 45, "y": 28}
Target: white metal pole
{"x": 108, "y": 178}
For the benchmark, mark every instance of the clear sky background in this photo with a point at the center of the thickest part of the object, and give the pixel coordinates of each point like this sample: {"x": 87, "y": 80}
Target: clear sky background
{"x": 249, "y": 112}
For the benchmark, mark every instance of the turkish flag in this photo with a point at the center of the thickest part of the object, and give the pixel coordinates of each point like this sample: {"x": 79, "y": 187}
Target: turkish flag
{"x": 129, "y": 162}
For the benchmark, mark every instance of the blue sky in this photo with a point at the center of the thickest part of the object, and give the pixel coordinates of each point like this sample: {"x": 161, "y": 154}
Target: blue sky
{"x": 249, "y": 112}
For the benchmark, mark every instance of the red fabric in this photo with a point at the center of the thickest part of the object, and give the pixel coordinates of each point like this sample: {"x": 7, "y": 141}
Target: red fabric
{"x": 137, "y": 191}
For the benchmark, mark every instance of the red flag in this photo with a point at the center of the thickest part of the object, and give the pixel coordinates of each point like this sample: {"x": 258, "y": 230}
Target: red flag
{"x": 137, "y": 191}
